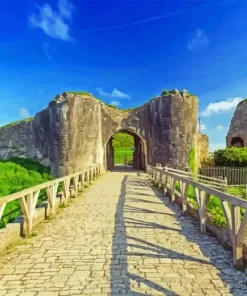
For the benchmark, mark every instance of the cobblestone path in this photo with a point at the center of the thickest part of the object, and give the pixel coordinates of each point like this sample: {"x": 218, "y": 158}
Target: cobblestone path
{"x": 120, "y": 238}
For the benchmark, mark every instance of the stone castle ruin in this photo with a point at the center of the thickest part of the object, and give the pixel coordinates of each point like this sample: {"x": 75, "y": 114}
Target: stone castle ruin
{"x": 237, "y": 134}
{"x": 75, "y": 131}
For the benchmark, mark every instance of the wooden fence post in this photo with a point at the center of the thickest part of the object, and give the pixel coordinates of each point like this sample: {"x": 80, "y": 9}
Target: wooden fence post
{"x": 26, "y": 213}
{"x": 75, "y": 183}
{"x": 172, "y": 188}
{"x": 2, "y": 208}
{"x": 202, "y": 198}
{"x": 226, "y": 185}
{"x": 184, "y": 194}
{"x": 52, "y": 194}
{"x": 237, "y": 247}
{"x": 66, "y": 192}
{"x": 82, "y": 181}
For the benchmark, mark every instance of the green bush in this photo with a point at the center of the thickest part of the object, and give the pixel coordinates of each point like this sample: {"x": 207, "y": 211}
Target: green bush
{"x": 164, "y": 92}
{"x": 234, "y": 157}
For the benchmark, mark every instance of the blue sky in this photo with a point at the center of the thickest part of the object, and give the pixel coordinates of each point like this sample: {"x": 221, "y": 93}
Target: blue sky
{"x": 124, "y": 52}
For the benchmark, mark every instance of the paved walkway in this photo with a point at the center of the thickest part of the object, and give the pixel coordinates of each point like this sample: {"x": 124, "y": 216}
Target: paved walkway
{"x": 120, "y": 238}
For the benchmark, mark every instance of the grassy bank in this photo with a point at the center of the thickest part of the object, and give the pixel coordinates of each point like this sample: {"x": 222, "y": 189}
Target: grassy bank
{"x": 120, "y": 153}
{"x": 17, "y": 174}
{"x": 123, "y": 144}
{"x": 214, "y": 207}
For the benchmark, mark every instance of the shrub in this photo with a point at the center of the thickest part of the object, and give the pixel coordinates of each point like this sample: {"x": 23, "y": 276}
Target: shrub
{"x": 164, "y": 92}
{"x": 233, "y": 156}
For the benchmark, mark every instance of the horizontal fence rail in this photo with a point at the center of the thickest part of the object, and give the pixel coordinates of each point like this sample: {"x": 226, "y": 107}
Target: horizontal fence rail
{"x": 28, "y": 197}
{"x": 231, "y": 205}
{"x": 234, "y": 175}
{"x": 220, "y": 184}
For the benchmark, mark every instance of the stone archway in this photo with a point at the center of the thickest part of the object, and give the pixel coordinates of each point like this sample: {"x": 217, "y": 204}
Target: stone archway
{"x": 237, "y": 142}
{"x": 139, "y": 153}
{"x": 71, "y": 134}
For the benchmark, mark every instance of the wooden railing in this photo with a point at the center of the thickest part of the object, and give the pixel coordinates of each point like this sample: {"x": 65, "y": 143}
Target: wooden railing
{"x": 28, "y": 197}
{"x": 231, "y": 205}
{"x": 217, "y": 183}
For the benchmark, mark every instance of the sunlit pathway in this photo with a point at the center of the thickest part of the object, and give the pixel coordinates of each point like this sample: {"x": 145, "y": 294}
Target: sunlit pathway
{"x": 120, "y": 238}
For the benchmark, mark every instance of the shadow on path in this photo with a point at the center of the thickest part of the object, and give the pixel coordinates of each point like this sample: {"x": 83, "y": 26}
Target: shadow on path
{"x": 124, "y": 282}
{"x": 120, "y": 277}
{"x": 235, "y": 281}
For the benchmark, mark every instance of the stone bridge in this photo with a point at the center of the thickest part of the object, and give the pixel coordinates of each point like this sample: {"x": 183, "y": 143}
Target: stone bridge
{"x": 121, "y": 236}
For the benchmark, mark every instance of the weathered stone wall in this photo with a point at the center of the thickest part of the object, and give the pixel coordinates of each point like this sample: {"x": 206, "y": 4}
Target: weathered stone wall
{"x": 202, "y": 148}
{"x": 237, "y": 133}
{"x": 26, "y": 139}
{"x": 72, "y": 132}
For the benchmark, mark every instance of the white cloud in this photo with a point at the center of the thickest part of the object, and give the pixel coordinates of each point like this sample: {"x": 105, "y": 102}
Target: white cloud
{"x": 115, "y": 103}
{"x": 46, "y": 47}
{"x": 216, "y": 146}
{"x": 219, "y": 127}
{"x": 221, "y": 107}
{"x": 198, "y": 40}
{"x": 203, "y": 127}
{"x": 119, "y": 94}
{"x": 53, "y": 23}
{"x": 115, "y": 93}
{"x": 24, "y": 113}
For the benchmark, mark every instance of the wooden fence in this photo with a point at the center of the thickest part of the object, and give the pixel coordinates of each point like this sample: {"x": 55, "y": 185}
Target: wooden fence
{"x": 28, "y": 197}
{"x": 217, "y": 183}
{"x": 234, "y": 175}
{"x": 230, "y": 205}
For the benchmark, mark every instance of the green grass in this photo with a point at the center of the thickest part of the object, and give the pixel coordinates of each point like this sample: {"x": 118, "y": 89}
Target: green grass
{"x": 237, "y": 191}
{"x": 16, "y": 122}
{"x": 214, "y": 207}
{"x": 79, "y": 93}
{"x": 15, "y": 175}
{"x": 122, "y": 153}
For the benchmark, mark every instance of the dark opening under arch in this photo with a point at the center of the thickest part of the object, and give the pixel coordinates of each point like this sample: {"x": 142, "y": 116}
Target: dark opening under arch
{"x": 237, "y": 142}
{"x": 139, "y": 152}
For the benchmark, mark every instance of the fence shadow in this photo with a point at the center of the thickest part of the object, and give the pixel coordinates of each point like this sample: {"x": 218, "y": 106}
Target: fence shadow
{"x": 121, "y": 278}
{"x": 209, "y": 246}
{"x": 125, "y": 247}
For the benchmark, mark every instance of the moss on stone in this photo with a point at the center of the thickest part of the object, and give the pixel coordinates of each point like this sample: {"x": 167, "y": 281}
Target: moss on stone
{"x": 243, "y": 101}
{"x": 16, "y": 122}
{"x": 163, "y": 93}
{"x": 79, "y": 93}
{"x": 192, "y": 160}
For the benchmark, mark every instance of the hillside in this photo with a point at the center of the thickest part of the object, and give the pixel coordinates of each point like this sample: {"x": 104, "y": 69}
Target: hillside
{"x": 17, "y": 174}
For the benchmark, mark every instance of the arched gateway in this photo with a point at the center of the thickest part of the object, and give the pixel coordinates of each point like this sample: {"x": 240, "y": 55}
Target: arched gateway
{"x": 75, "y": 131}
{"x": 139, "y": 153}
